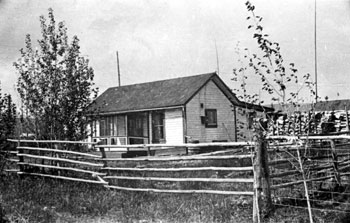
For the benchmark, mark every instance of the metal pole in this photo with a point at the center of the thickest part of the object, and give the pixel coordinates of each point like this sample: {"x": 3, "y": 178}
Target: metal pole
{"x": 315, "y": 45}
{"x": 118, "y": 70}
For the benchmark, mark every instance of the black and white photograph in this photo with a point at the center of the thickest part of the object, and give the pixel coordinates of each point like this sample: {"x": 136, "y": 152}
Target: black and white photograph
{"x": 160, "y": 111}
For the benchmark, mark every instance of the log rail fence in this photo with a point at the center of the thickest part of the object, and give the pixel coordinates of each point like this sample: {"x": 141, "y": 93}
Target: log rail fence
{"x": 270, "y": 172}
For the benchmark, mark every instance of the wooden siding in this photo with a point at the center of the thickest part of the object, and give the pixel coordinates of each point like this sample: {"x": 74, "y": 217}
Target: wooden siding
{"x": 211, "y": 97}
{"x": 174, "y": 126}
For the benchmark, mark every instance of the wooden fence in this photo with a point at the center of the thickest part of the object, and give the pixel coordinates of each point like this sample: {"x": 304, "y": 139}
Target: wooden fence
{"x": 203, "y": 166}
{"x": 300, "y": 170}
{"x": 310, "y": 172}
{"x": 164, "y": 173}
{"x": 56, "y": 159}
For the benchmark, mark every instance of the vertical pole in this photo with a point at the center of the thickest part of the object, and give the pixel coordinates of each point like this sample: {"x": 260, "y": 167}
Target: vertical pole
{"x": 300, "y": 129}
{"x": 305, "y": 185}
{"x": 148, "y": 148}
{"x": 235, "y": 117}
{"x": 256, "y": 211}
{"x": 347, "y": 119}
{"x": 103, "y": 154}
{"x": 262, "y": 202}
{"x": 118, "y": 69}
{"x": 217, "y": 58}
{"x": 20, "y": 158}
{"x": 335, "y": 162}
{"x": 315, "y": 39}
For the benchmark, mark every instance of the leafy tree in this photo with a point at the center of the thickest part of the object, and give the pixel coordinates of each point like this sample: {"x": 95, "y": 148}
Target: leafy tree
{"x": 283, "y": 84}
{"x": 7, "y": 117}
{"x": 55, "y": 83}
{"x": 279, "y": 80}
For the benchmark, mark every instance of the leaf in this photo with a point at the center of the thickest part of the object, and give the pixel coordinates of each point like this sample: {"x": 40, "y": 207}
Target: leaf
{"x": 53, "y": 89}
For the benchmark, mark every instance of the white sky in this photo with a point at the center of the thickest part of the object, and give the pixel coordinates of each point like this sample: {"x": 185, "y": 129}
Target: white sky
{"x": 159, "y": 39}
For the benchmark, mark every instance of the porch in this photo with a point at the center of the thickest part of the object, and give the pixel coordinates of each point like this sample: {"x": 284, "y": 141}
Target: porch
{"x": 131, "y": 128}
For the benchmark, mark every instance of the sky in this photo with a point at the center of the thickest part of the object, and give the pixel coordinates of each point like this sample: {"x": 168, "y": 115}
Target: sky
{"x": 162, "y": 39}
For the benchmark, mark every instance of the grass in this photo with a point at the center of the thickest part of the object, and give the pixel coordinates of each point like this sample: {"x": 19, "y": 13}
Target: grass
{"x": 35, "y": 199}
{"x": 46, "y": 200}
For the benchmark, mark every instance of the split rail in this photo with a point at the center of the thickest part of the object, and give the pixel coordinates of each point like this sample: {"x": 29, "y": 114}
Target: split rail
{"x": 220, "y": 168}
{"x": 302, "y": 172}
{"x": 56, "y": 159}
{"x": 207, "y": 168}
{"x": 311, "y": 173}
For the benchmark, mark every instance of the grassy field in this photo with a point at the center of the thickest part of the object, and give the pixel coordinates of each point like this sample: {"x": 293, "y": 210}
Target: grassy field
{"x": 46, "y": 200}
{"x": 35, "y": 199}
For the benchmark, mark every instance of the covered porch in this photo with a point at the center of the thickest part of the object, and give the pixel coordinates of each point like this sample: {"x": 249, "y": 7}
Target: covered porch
{"x": 130, "y": 128}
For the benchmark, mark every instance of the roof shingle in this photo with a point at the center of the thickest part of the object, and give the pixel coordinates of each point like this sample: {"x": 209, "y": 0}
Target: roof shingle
{"x": 151, "y": 95}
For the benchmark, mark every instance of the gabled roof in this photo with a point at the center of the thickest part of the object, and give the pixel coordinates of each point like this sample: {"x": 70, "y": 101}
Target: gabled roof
{"x": 158, "y": 94}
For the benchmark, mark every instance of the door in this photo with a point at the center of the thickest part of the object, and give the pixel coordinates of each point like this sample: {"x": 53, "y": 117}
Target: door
{"x": 138, "y": 128}
{"x": 158, "y": 134}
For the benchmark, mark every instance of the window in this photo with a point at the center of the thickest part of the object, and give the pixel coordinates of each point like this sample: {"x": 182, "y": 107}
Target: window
{"x": 211, "y": 118}
{"x": 112, "y": 126}
{"x": 102, "y": 127}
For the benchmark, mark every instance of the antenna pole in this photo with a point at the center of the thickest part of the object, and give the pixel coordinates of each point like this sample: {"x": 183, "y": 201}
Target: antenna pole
{"x": 118, "y": 70}
{"x": 315, "y": 32}
{"x": 217, "y": 57}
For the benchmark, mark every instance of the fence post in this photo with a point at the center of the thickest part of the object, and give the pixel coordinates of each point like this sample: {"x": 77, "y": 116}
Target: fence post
{"x": 103, "y": 153}
{"x": 347, "y": 119}
{"x": 335, "y": 162}
{"x": 148, "y": 148}
{"x": 262, "y": 193}
{"x": 20, "y": 158}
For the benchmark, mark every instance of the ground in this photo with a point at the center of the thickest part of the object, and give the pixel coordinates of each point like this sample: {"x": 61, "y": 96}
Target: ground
{"x": 46, "y": 200}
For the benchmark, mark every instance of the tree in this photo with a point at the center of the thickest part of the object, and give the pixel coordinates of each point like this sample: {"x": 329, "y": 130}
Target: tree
{"x": 55, "y": 83}
{"x": 7, "y": 117}
{"x": 278, "y": 79}
{"x": 281, "y": 82}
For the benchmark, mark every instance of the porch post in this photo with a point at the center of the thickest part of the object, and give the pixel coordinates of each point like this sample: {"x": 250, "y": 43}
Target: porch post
{"x": 150, "y": 136}
{"x": 126, "y": 129}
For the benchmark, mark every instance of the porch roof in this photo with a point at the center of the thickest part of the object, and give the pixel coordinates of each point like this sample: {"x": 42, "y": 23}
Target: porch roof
{"x": 155, "y": 95}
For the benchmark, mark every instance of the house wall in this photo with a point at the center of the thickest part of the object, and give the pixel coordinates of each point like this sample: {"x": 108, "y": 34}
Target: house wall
{"x": 212, "y": 98}
{"x": 173, "y": 126}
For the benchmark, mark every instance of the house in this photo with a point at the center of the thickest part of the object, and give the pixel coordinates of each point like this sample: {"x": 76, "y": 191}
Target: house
{"x": 198, "y": 108}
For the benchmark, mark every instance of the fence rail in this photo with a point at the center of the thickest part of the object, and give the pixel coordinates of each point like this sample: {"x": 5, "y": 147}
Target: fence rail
{"x": 64, "y": 164}
{"x": 218, "y": 168}
{"x": 312, "y": 167}
{"x": 34, "y": 160}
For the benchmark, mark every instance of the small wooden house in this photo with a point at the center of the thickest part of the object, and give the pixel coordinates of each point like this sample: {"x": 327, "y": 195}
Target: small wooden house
{"x": 198, "y": 108}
